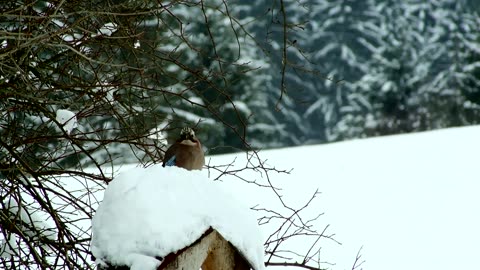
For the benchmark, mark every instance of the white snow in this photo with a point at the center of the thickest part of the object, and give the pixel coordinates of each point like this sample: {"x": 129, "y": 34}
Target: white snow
{"x": 196, "y": 100}
{"x": 238, "y": 106}
{"x": 8, "y": 247}
{"x": 108, "y": 29}
{"x": 151, "y": 212}
{"x": 136, "y": 44}
{"x": 67, "y": 119}
{"x": 33, "y": 217}
{"x": 26, "y": 214}
{"x": 411, "y": 201}
{"x": 157, "y": 133}
{"x": 191, "y": 117}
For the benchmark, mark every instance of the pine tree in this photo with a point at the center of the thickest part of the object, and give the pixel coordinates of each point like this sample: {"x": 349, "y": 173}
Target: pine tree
{"x": 420, "y": 72}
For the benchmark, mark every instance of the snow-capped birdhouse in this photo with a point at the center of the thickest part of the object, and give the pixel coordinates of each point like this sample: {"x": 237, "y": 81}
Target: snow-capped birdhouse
{"x": 170, "y": 218}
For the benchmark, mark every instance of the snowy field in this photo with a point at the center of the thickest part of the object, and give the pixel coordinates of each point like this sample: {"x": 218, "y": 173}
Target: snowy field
{"x": 411, "y": 201}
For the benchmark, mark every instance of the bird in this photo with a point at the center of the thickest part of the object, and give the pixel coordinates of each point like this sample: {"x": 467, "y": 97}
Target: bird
{"x": 186, "y": 152}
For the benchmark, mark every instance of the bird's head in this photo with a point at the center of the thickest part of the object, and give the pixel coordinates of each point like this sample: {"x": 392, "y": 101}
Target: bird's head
{"x": 187, "y": 134}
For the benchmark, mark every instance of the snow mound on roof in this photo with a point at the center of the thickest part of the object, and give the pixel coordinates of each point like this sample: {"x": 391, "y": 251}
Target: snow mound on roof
{"x": 148, "y": 213}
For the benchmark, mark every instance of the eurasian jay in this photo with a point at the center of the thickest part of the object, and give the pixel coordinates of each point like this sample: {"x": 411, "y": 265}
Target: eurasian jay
{"x": 186, "y": 152}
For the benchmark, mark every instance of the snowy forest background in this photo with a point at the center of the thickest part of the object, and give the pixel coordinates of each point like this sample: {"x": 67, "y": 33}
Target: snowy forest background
{"x": 247, "y": 76}
{"x": 336, "y": 70}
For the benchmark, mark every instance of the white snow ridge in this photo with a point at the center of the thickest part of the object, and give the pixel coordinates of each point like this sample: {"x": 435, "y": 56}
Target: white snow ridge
{"x": 148, "y": 213}
{"x": 67, "y": 119}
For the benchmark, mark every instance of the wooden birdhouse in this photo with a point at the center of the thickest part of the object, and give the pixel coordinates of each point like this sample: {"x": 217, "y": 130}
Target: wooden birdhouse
{"x": 210, "y": 252}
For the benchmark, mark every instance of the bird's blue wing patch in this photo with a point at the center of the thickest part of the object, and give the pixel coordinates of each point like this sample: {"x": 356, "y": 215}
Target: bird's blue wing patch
{"x": 171, "y": 161}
